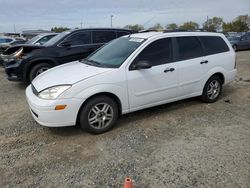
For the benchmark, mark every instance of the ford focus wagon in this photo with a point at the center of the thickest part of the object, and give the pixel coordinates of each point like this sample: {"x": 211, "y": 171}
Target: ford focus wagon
{"x": 132, "y": 73}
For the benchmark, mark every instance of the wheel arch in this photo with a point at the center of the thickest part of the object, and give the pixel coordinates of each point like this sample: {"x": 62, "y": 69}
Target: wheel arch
{"x": 108, "y": 94}
{"x": 220, "y": 75}
{"x": 32, "y": 63}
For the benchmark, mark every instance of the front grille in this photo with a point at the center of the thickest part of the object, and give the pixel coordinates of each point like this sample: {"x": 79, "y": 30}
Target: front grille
{"x": 34, "y": 90}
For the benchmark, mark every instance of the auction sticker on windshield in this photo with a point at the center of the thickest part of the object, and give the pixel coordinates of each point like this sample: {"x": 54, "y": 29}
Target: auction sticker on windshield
{"x": 136, "y": 40}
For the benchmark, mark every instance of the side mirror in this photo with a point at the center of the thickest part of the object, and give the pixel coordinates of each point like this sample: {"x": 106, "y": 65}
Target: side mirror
{"x": 143, "y": 65}
{"x": 65, "y": 43}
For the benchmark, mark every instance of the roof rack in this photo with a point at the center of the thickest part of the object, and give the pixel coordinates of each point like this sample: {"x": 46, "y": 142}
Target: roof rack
{"x": 172, "y": 30}
{"x": 184, "y": 30}
{"x": 150, "y": 30}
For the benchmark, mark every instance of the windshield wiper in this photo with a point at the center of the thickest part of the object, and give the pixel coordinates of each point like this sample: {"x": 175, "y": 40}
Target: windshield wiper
{"x": 91, "y": 62}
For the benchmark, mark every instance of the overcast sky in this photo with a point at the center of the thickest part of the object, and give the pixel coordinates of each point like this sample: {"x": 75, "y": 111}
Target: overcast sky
{"x": 44, "y": 14}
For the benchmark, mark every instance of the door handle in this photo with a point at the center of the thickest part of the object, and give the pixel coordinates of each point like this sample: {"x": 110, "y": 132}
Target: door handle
{"x": 169, "y": 70}
{"x": 204, "y": 62}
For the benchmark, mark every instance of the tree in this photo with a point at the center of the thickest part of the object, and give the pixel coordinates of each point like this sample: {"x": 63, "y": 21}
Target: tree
{"x": 245, "y": 19}
{"x": 59, "y": 29}
{"x": 171, "y": 26}
{"x": 213, "y": 24}
{"x": 135, "y": 27}
{"x": 189, "y": 26}
{"x": 235, "y": 26}
{"x": 156, "y": 27}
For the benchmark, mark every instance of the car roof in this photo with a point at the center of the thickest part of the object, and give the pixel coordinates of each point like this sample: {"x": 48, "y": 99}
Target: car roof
{"x": 114, "y": 29}
{"x": 45, "y": 34}
{"x": 147, "y": 35}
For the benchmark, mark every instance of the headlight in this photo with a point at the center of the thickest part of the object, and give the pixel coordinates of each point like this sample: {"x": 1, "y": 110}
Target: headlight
{"x": 18, "y": 53}
{"x": 53, "y": 92}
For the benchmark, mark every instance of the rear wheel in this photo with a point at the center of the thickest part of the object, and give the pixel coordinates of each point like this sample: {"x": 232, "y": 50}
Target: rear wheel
{"x": 38, "y": 69}
{"x": 212, "y": 89}
{"x": 98, "y": 115}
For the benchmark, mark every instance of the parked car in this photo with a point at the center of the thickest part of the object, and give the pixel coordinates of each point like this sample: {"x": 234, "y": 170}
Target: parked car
{"x": 5, "y": 41}
{"x": 240, "y": 43}
{"x": 129, "y": 74}
{"x": 68, "y": 46}
{"x": 14, "y": 46}
{"x": 41, "y": 39}
{"x": 5, "y": 46}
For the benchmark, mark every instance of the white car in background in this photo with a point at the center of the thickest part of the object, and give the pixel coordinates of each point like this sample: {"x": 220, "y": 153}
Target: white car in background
{"x": 41, "y": 39}
{"x": 129, "y": 74}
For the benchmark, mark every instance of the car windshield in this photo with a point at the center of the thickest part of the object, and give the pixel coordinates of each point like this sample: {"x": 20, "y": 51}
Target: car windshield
{"x": 55, "y": 39}
{"x": 32, "y": 40}
{"x": 113, "y": 54}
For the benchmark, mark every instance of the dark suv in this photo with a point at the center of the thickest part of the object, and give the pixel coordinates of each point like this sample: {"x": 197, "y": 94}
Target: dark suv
{"x": 30, "y": 61}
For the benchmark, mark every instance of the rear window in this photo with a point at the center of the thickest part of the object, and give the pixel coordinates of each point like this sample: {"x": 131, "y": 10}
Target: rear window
{"x": 189, "y": 47}
{"x": 213, "y": 44}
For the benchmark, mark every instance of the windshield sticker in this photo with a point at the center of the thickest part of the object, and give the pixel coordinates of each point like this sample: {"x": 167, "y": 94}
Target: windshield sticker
{"x": 136, "y": 40}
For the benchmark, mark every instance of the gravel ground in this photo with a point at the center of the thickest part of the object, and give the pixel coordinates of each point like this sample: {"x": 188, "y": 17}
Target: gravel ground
{"x": 182, "y": 144}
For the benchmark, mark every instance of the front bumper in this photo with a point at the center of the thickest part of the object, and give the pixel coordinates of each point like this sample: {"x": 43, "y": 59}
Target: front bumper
{"x": 43, "y": 111}
{"x": 13, "y": 70}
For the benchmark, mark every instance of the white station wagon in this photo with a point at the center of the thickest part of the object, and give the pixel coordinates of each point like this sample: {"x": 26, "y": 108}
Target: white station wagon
{"x": 131, "y": 73}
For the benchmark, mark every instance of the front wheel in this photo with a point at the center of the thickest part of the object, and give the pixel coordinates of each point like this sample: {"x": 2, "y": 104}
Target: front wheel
{"x": 212, "y": 89}
{"x": 38, "y": 69}
{"x": 98, "y": 115}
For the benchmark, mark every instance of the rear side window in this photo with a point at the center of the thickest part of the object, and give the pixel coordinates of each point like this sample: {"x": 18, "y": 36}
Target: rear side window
{"x": 122, "y": 33}
{"x": 80, "y": 38}
{"x": 189, "y": 47}
{"x": 213, "y": 45}
{"x": 157, "y": 53}
{"x": 103, "y": 36}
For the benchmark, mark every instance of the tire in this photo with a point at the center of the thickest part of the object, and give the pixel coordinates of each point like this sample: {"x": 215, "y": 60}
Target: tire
{"x": 38, "y": 69}
{"x": 235, "y": 47}
{"x": 98, "y": 115}
{"x": 212, "y": 89}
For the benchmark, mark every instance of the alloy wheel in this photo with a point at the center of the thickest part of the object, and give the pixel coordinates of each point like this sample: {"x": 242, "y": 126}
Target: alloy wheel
{"x": 100, "y": 116}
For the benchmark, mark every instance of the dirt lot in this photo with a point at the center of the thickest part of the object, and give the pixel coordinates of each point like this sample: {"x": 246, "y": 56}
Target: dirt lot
{"x": 183, "y": 144}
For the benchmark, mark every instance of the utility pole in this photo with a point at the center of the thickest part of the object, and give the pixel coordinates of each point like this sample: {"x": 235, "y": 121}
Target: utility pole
{"x": 111, "y": 21}
{"x": 14, "y": 28}
{"x": 81, "y": 24}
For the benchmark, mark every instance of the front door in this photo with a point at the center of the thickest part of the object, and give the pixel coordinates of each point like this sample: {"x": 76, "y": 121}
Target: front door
{"x": 79, "y": 48}
{"x": 155, "y": 85}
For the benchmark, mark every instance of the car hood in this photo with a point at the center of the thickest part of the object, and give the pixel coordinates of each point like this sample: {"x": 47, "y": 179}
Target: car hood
{"x": 26, "y": 47}
{"x": 67, "y": 74}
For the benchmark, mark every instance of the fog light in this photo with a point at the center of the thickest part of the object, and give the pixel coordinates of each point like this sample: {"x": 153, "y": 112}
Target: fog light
{"x": 60, "y": 107}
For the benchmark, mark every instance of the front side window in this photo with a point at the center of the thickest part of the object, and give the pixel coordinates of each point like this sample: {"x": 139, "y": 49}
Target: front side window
{"x": 189, "y": 47}
{"x": 80, "y": 38}
{"x": 157, "y": 53}
{"x": 103, "y": 36}
{"x": 114, "y": 53}
{"x": 213, "y": 44}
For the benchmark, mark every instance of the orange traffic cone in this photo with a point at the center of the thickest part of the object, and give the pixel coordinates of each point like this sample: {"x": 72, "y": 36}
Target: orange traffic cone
{"x": 128, "y": 183}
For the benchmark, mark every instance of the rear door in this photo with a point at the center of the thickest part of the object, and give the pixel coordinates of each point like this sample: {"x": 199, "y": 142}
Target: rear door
{"x": 192, "y": 64}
